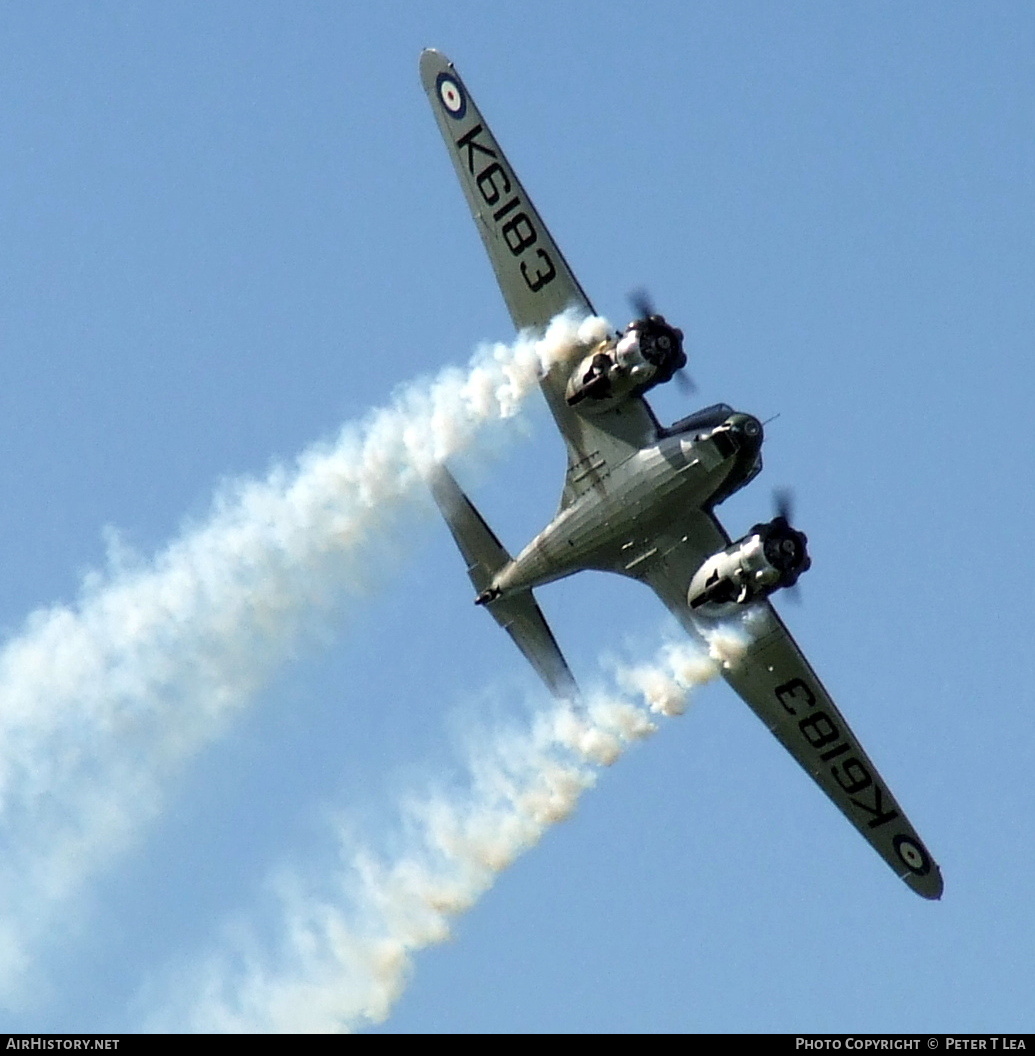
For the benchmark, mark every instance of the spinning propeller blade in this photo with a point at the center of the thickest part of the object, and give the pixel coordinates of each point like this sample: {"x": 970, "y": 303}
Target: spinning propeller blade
{"x": 642, "y": 305}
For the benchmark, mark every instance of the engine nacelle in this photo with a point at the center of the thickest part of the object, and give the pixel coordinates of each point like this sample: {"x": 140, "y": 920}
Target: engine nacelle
{"x": 771, "y": 556}
{"x": 648, "y": 353}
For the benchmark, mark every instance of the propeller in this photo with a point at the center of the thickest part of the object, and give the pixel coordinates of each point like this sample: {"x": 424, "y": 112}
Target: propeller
{"x": 783, "y": 505}
{"x": 642, "y": 305}
{"x": 686, "y": 384}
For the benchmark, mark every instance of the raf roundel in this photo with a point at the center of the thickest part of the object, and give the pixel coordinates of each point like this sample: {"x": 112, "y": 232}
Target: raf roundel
{"x": 912, "y": 855}
{"x": 452, "y": 95}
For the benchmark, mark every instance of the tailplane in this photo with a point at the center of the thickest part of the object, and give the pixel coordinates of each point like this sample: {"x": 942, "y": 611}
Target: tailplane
{"x": 518, "y": 614}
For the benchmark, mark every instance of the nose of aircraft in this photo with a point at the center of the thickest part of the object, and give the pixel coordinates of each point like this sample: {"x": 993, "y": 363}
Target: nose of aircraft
{"x": 747, "y": 430}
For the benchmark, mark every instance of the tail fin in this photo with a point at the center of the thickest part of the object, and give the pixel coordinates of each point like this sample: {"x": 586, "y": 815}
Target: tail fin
{"x": 518, "y": 614}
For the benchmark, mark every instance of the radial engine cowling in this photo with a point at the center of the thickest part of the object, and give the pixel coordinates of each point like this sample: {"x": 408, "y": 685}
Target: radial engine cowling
{"x": 661, "y": 345}
{"x": 771, "y": 556}
{"x": 648, "y": 353}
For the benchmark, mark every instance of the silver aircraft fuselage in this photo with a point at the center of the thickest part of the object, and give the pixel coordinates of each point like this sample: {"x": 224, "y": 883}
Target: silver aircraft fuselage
{"x": 620, "y": 513}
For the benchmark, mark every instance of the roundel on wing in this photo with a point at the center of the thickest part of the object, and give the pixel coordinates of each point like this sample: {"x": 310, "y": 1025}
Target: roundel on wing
{"x": 452, "y": 95}
{"x": 912, "y": 855}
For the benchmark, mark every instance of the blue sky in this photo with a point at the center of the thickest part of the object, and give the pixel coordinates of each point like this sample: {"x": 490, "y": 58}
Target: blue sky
{"x": 230, "y": 228}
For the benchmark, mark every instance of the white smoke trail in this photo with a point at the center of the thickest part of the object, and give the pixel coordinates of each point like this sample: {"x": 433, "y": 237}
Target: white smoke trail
{"x": 101, "y": 702}
{"x": 345, "y": 944}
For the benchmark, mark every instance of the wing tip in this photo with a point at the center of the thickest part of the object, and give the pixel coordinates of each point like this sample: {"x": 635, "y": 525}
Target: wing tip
{"x": 929, "y": 885}
{"x": 433, "y": 62}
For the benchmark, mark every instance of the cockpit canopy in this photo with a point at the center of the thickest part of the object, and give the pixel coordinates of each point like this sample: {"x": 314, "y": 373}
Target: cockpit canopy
{"x": 706, "y": 418}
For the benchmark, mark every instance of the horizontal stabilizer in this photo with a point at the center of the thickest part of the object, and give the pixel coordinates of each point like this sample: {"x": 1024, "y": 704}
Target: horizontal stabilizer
{"x": 518, "y": 614}
{"x": 483, "y": 552}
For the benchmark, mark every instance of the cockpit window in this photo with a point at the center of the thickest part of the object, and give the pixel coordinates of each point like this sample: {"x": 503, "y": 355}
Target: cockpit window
{"x": 707, "y": 418}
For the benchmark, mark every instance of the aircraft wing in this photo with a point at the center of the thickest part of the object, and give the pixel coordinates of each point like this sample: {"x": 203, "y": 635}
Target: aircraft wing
{"x": 533, "y": 275}
{"x": 779, "y": 685}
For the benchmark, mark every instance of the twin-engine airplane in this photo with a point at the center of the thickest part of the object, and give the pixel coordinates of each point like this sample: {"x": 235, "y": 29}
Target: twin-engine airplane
{"x": 639, "y": 499}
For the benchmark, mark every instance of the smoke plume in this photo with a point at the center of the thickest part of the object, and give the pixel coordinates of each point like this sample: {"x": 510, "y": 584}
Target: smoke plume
{"x": 101, "y": 702}
{"x": 344, "y": 944}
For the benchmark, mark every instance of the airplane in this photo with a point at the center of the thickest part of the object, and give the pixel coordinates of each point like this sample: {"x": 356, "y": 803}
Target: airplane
{"x": 639, "y": 499}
